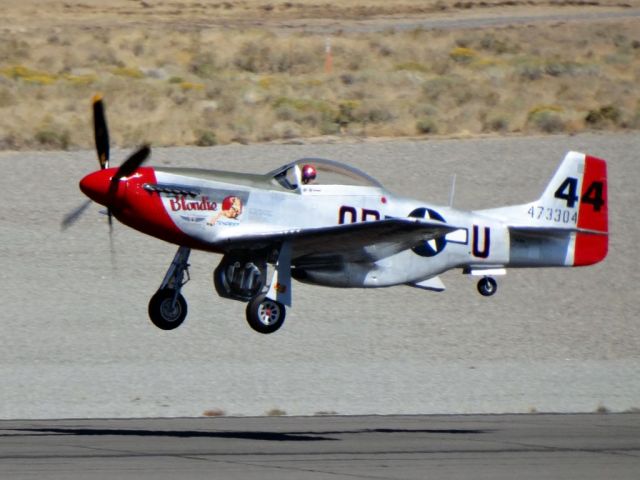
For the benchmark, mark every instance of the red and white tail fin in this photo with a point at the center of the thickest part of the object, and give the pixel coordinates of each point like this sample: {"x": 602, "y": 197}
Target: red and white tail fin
{"x": 578, "y": 191}
{"x": 572, "y": 212}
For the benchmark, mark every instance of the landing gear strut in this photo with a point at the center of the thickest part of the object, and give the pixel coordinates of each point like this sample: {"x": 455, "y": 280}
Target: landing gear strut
{"x": 266, "y": 311}
{"x": 168, "y": 308}
{"x": 239, "y": 276}
{"x": 487, "y": 286}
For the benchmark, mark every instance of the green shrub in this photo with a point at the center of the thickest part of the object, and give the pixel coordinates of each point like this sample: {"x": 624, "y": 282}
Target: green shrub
{"x": 411, "y": 67}
{"x": 603, "y": 116}
{"x": 301, "y": 104}
{"x": 548, "y": 121}
{"x": 373, "y": 114}
{"x": 530, "y": 71}
{"x": 130, "y": 72}
{"x": 206, "y": 138}
{"x": 558, "y": 68}
{"x": 490, "y": 43}
{"x": 443, "y": 86}
{"x": 54, "y": 139}
{"x": 204, "y": 65}
{"x": 346, "y": 112}
{"x": 496, "y": 124}
{"x": 463, "y": 54}
{"x": 285, "y": 112}
{"x": 268, "y": 56}
{"x": 426, "y": 126}
{"x": 328, "y": 127}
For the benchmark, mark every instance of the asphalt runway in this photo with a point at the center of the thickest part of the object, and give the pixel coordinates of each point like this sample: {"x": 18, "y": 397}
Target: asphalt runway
{"x": 494, "y": 447}
{"x": 77, "y": 341}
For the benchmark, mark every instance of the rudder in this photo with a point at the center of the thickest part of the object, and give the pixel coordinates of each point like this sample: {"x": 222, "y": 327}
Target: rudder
{"x": 593, "y": 214}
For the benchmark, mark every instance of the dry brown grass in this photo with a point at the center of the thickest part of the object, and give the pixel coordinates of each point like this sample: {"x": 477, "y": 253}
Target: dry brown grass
{"x": 171, "y": 80}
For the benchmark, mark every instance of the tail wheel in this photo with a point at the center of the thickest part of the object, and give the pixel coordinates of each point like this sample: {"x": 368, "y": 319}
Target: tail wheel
{"x": 487, "y": 286}
{"x": 164, "y": 312}
{"x": 265, "y": 315}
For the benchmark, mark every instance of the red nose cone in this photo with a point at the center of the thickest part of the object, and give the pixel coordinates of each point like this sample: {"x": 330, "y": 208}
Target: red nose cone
{"x": 96, "y": 186}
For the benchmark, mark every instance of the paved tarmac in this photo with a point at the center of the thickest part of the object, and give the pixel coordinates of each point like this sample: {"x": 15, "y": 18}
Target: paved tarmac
{"x": 77, "y": 341}
{"x": 595, "y": 446}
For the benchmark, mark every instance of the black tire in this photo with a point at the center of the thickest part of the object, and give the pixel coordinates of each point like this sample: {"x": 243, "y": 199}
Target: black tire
{"x": 265, "y": 315}
{"x": 161, "y": 313}
{"x": 487, "y": 286}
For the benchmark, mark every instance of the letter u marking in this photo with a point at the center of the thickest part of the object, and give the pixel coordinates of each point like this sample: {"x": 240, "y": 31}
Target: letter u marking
{"x": 486, "y": 244}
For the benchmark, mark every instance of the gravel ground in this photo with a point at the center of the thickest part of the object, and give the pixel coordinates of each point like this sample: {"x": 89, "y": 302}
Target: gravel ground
{"x": 77, "y": 341}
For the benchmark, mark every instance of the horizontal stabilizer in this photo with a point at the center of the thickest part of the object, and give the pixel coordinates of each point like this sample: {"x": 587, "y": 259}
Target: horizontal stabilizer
{"x": 553, "y": 232}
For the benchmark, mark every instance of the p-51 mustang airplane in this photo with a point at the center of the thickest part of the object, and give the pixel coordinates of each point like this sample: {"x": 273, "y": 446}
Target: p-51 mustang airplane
{"x": 325, "y": 223}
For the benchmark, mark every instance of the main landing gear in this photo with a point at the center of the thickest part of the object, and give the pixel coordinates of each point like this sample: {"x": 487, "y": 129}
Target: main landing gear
{"x": 239, "y": 277}
{"x": 244, "y": 279}
{"x": 168, "y": 308}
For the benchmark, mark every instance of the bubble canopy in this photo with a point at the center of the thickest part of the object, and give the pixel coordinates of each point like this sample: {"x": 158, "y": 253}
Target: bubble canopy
{"x": 329, "y": 172}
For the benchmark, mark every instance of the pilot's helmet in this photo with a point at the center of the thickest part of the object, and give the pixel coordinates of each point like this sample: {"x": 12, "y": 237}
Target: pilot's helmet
{"x": 308, "y": 173}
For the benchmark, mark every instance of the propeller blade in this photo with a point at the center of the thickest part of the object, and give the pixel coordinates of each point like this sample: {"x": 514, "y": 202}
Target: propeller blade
{"x": 128, "y": 167}
{"x": 132, "y": 163}
{"x": 112, "y": 247}
{"x": 73, "y": 216}
{"x": 101, "y": 131}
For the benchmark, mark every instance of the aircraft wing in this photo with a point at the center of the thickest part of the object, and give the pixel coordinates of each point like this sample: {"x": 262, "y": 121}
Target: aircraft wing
{"x": 355, "y": 242}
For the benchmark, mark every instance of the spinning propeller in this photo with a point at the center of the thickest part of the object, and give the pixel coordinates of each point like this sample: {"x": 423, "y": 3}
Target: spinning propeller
{"x": 100, "y": 132}
{"x": 128, "y": 167}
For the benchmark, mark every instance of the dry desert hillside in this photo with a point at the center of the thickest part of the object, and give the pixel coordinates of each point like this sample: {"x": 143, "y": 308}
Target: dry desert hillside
{"x": 213, "y": 72}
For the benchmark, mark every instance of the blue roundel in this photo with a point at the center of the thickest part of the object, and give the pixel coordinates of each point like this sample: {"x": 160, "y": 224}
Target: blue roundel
{"x": 433, "y": 247}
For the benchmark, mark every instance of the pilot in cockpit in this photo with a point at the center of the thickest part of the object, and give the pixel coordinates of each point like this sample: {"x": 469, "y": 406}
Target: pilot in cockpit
{"x": 308, "y": 174}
